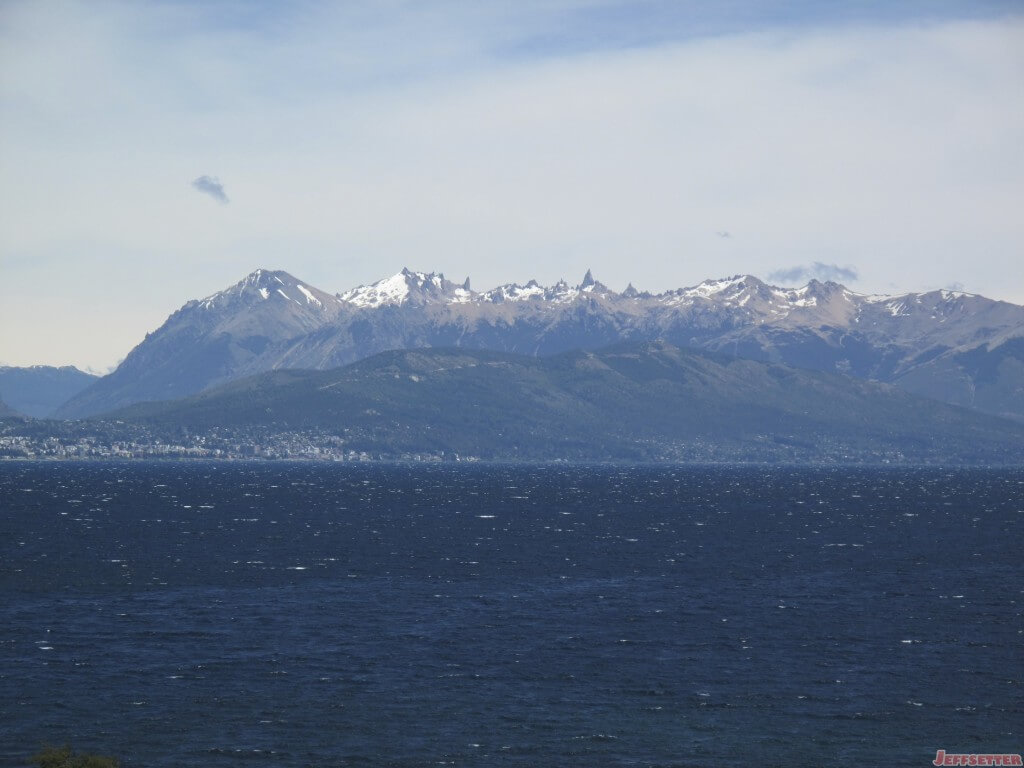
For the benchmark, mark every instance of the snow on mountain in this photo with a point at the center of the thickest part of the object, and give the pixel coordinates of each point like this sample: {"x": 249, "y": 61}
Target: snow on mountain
{"x": 271, "y": 320}
{"x": 559, "y": 293}
{"x": 515, "y": 292}
{"x": 264, "y": 285}
{"x": 227, "y": 334}
{"x": 408, "y": 288}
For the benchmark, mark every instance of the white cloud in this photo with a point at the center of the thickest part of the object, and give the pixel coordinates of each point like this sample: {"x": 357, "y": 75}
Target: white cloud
{"x": 801, "y": 273}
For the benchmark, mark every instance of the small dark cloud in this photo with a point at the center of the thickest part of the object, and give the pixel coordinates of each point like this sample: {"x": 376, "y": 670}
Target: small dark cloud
{"x": 818, "y": 271}
{"x": 723, "y": 234}
{"x": 210, "y": 185}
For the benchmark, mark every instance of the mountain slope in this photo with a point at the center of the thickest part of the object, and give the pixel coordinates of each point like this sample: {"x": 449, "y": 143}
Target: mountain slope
{"x": 821, "y": 326}
{"x": 638, "y": 401}
{"x": 7, "y": 412}
{"x": 989, "y": 377}
{"x": 212, "y": 340}
{"x": 39, "y": 389}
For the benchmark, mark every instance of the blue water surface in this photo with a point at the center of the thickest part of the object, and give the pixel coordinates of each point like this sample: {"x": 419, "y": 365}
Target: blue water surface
{"x": 203, "y": 614}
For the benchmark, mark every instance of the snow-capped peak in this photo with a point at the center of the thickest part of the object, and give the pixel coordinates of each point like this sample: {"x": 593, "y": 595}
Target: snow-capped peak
{"x": 712, "y": 287}
{"x": 590, "y": 285}
{"x": 746, "y": 295}
{"x": 390, "y": 290}
{"x": 263, "y": 285}
{"x": 515, "y": 292}
{"x": 408, "y": 287}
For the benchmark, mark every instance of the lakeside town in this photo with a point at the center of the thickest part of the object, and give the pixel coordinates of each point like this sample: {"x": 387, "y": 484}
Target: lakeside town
{"x": 55, "y": 440}
{"x": 99, "y": 440}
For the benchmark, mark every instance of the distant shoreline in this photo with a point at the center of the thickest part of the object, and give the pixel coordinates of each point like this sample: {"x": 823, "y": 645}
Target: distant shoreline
{"x": 476, "y": 462}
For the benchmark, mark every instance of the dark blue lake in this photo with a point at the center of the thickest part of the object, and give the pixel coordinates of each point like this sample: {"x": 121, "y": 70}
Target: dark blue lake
{"x": 317, "y": 615}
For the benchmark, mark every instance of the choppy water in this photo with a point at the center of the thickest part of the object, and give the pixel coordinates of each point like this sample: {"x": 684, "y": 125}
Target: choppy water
{"x": 298, "y": 615}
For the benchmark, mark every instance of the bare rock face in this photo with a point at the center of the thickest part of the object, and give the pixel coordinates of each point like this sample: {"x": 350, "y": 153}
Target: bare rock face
{"x": 952, "y": 346}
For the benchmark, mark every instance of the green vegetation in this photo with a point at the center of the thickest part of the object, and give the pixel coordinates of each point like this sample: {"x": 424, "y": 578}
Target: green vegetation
{"x": 648, "y": 401}
{"x": 634, "y": 402}
{"x": 63, "y": 757}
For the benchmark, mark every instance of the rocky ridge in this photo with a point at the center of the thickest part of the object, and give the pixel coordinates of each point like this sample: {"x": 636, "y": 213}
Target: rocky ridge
{"x": 953, "y": 346}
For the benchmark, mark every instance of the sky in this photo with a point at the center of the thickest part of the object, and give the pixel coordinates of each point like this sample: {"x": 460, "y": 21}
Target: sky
{"x": 156, "y": 152}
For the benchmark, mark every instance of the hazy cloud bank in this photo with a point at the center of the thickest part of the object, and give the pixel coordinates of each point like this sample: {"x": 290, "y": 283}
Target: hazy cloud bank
{"x": 817, "y": 271}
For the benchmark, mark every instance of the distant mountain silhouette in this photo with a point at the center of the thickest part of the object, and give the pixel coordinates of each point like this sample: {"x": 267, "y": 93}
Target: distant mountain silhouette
{"x": 39, "y": 389}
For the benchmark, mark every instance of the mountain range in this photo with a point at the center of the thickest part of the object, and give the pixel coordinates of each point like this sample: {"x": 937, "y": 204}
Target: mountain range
{"x": 641, "y": 401}
{"x": 952, "y": 346}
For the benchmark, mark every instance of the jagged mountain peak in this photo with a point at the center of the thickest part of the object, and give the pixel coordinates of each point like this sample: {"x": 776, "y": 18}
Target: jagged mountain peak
{"x": 590, "y": 285}
{"x": 825, "y": 289}
{"x": 263, "y": 278}
{"x": 263, "y": 275}
{"x": 929, "y": 303}
{"x": 268, "y": 285}
{"x": 712, "y": 289}
{"x": 272, "y": 320}
{"x": 408, "y": 287}
{"x": 559, "y": 293}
